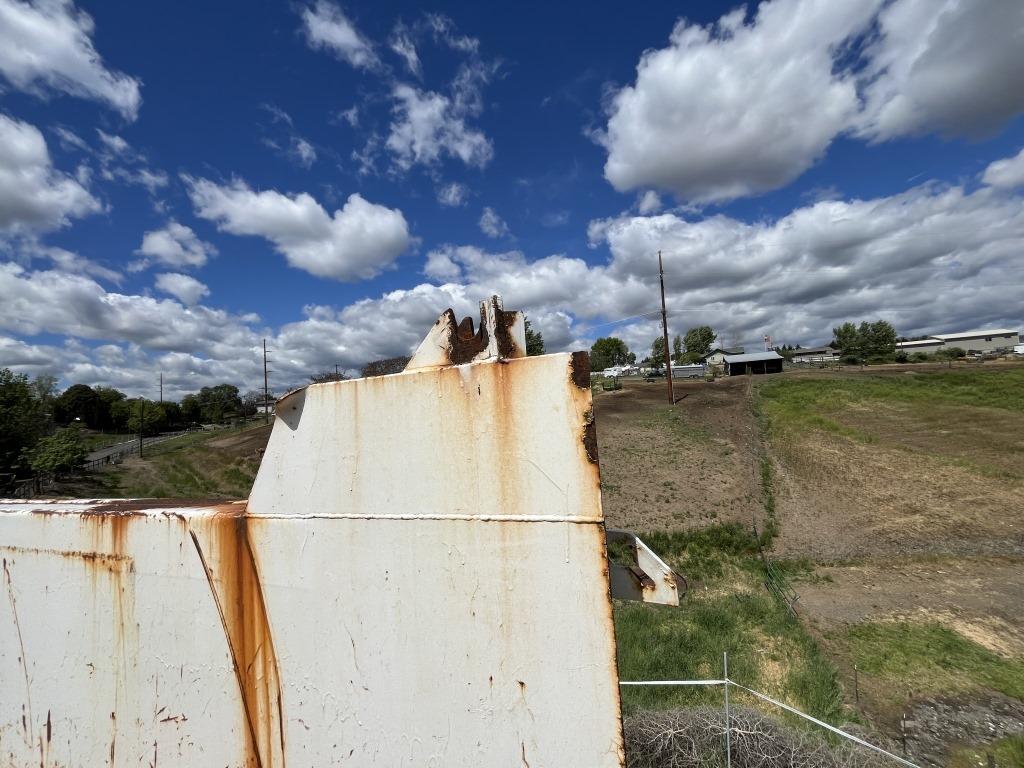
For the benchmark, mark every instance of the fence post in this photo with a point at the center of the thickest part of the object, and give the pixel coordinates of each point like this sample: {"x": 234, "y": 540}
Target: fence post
{"x": 728, "y": 722}
{"x": 856, "y": 687}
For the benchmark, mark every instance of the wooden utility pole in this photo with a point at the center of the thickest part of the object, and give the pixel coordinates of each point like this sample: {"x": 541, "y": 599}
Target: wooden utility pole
{"x": 266, "y": 388}
{"x": 161, "y": 387}
{"x": 664, "y": 331}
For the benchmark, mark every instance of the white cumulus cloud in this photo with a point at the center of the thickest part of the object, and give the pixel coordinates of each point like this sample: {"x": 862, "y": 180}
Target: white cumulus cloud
{"x": 34, "y": 196}
{"x": 1007, "y": 173}
{"x": 175, "y": 245}
{"x": 428, "y": 126}
{"x": 747, "y": 104}
{"x": 185, "y": 288}
{"x": 951, "y": 66}
{"x": 47, "y": 45}
{"x": 736, "y": 108}
{"x": 356, "y": 242}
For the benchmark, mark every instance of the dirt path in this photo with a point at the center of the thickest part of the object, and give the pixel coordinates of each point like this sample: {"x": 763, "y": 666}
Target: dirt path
{"x": 671, "y": 469}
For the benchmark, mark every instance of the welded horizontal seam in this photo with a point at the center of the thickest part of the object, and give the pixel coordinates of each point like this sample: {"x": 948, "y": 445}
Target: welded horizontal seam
{"x": 478, "y": 518}
{"x": 343, "y": 515}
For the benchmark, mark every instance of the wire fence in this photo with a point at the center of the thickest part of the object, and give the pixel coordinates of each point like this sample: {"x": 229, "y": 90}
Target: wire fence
{"x": 730, "y": 727}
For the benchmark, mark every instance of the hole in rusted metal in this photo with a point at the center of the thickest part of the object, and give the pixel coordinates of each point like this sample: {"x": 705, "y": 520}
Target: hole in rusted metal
{"x": 590, "y": 437}
{"x": 579, "y": 369}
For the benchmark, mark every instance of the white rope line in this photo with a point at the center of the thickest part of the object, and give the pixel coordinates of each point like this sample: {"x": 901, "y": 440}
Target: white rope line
{"x": 786, "y": 707}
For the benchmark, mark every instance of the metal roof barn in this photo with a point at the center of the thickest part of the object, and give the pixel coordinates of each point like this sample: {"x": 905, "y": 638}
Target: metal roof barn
{"x": 419, "y": 577}
{"x": 753, "y": 362}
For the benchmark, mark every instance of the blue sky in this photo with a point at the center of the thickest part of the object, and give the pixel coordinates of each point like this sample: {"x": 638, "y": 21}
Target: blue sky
{"x": 180, "y": 181}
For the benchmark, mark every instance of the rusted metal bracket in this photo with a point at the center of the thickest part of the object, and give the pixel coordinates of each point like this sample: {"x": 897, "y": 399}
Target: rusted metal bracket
{"x": 501, "y": 335}
{"x": 648, "y": 579}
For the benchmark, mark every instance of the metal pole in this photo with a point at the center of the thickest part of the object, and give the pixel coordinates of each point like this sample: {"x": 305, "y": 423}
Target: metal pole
{"x": 161, "y": 387}
{"x": 664, "y": 331}
{"x": 142, "y": 419}
{"x": 728, "y": 725}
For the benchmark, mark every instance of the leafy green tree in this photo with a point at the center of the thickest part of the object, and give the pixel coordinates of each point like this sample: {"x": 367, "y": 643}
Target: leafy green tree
{"x": 608, "y": 352}
{"x": 108, "y": 397}
{"x": 657, "y": 358}
{"x": 846, "y": 339}
{"x": 219, "y": 402}
{"x": 79, "y": 401}
{"x": 191, "y": 409}
{"x": 877, "y": 339}
{"x": 22, "y": 419}
{"x": 534, "y": 341}
{"x": 44, "y": 386}
{"x": 61, "y": 452}
{"x": 698, "y": 342}
{"x": 677, "y": 350}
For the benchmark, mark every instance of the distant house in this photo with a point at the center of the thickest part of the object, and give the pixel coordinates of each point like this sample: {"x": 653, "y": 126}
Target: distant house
{"x": 754, "y": 362}
{"x": 815, "y": 355}
{"x": 716, "y": 357}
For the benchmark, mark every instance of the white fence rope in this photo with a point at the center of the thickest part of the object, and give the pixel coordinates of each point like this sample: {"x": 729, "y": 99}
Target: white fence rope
{"x": 786, "y": 707}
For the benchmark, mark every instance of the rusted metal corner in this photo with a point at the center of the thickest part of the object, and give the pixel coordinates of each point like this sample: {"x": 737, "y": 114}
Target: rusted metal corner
{"x": 501, "y": 335}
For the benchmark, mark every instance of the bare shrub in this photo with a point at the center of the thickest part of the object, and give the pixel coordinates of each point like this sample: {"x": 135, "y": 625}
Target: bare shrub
{"x": 695, "y": 738}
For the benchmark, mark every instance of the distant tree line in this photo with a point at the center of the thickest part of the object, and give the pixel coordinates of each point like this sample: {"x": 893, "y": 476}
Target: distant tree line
{"x": 41, "y": 429}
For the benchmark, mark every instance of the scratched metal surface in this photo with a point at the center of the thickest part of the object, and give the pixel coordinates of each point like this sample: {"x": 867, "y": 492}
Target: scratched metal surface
{"x": 419, "y": 579}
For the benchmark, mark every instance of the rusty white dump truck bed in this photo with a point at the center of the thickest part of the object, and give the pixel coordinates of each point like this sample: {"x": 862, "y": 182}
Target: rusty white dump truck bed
{"x": 418, "y": 579}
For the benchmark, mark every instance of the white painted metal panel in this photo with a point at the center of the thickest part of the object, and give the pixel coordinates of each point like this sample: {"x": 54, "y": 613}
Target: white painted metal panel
{"x": 419, "y": 579}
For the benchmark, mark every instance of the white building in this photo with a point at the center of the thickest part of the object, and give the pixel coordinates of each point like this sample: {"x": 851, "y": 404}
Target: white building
{"x": 981, "y": 341}
{"x": 815, "y": 355}
{"x": 927, "y": 346}
{"x": 987, "y": 340}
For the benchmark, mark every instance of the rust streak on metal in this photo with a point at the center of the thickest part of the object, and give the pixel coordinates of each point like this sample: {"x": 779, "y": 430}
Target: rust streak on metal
{"x": 579, "y": 369}
{"x": 102, "y": 558}
{"x": 21, "y": 648}
{"x": 232, "y": 572}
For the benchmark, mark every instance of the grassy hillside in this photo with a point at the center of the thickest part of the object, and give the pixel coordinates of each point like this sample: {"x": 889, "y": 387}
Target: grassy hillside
{"x": 906, "y": 489}
{"x": 197, "y": 465}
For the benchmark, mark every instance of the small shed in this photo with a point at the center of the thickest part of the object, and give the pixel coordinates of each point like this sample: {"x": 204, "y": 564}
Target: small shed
{"x": 754, "y": 362}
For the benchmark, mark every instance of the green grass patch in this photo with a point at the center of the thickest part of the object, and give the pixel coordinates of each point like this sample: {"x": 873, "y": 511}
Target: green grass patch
{"x": 1008, "y": 753}
{"x": 928, "y": 658}
{"x": 809, "y": 403}
{"x": 729, "y": 611}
